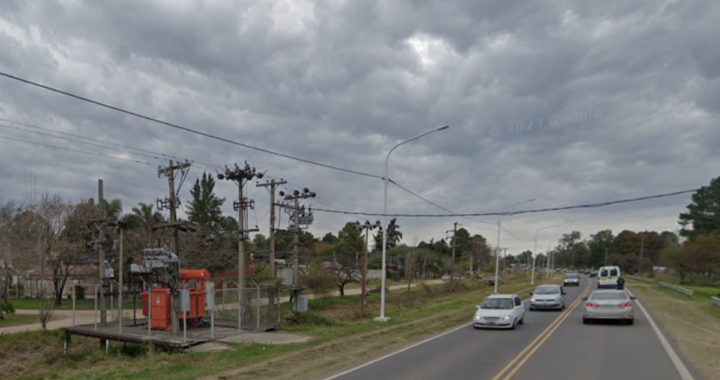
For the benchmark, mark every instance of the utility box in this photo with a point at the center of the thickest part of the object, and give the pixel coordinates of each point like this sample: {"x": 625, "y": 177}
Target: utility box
{"x": 301, "y": 304}
{"x": 184, "y": 301}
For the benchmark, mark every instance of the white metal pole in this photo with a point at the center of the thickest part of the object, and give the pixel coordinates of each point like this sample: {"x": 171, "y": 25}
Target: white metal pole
{"x": 532, "y": 278}
{"x": 386, "y": 180}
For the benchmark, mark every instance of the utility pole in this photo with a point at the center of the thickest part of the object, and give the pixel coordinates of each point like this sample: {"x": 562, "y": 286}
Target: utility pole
{"x": 296, "y": 196}
{"x": 172, "y": 203}
{"x": 642, "y": 252}
{"x": 367, "y": 227}
{"x": 452, "y": 262}
{"x": 101, "y": 264}
{"x": 241, "y": 175}
{"x": 273, "y": 184}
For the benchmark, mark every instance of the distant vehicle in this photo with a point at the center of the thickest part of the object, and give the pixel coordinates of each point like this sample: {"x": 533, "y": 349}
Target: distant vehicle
{"x": 609, "y": 305}
{"x": 593, "y": 273}
{"x": 571, "y": 279}
{"x": 548, "y": 297}
{"x": 500, "y": 311}
{"x": 607, "y": 277}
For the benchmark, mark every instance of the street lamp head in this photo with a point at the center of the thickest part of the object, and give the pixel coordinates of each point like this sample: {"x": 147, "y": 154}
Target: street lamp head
{"x": 442, "y": 128}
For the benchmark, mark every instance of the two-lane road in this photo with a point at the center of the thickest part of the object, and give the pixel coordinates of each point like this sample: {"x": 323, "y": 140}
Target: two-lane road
{"x": 550, "y": 345}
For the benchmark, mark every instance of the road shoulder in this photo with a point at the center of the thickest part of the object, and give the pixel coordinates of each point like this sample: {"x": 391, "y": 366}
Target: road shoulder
{"x": 690, "y": 328}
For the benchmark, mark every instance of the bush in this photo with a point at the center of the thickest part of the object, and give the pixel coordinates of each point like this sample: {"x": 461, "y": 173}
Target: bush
{"x": 7, "y": 308}
{"x": 309, "y": 318}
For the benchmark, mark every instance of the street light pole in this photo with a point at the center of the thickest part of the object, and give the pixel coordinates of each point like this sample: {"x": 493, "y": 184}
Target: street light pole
{"x": 532, "y": 280}
{"x": 497, "y": 249}
{"x": 386, "y": 180}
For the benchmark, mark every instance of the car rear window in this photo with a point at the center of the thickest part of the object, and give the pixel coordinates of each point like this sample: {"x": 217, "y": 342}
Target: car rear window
{"x": 608, "y": 296}
{"x": 603, "y": 273}
{"x": 613, "y": 272}
{"x": 572, "y": 275}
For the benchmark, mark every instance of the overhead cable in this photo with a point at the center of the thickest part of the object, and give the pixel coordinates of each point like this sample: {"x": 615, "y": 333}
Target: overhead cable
{"x": 186, "y": 129}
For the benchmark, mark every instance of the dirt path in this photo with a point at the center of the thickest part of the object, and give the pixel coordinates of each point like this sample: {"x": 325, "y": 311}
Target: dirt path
{"x": 693, "y": 328}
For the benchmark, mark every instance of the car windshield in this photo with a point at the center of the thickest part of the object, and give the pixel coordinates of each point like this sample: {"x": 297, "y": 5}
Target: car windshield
{"x": 547, "y": 290}
{"x": 610, "y": 296}
{"x": 497, "y": 303}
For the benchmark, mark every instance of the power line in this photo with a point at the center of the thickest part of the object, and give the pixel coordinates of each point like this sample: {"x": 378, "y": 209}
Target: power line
{"x": 77, "y": 151}
{"x": 435, "y": 204}
{"x": 78, "y": 141}
{"x": 165, "y": 156}
{"x": 186, "y": 129}
{"x": 591, "y": 205}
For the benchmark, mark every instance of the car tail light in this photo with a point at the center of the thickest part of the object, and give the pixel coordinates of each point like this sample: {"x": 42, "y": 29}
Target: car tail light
{"x": 626, "y": 304}
{"x": 590, "y": 304}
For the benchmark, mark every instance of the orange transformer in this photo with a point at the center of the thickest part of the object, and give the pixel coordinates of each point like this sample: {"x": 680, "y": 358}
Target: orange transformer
{"x": 161, "y": 311}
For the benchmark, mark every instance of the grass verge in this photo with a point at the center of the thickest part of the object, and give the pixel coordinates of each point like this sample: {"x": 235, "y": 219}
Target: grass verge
{"x": 16, "y": 320}
{"x": 691, "y": 322}
{"x": 341, "y": 338}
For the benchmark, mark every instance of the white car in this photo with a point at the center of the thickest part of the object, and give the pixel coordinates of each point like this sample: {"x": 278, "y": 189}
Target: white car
{"x": 548, "y": 297}
{"x": 500, "y": 311}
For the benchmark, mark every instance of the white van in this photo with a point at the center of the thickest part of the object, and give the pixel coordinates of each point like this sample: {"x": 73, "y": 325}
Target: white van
{"x": 607, "y": 277}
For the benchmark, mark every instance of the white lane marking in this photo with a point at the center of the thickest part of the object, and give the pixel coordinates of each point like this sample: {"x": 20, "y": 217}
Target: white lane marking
{"x": 396, "y": 352}
{"x": 403, "y": 350}
{"x": 679, "y": 365}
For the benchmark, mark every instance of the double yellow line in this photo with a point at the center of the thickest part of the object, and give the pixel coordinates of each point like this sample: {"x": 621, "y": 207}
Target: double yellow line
{"x": 511, "y": 368}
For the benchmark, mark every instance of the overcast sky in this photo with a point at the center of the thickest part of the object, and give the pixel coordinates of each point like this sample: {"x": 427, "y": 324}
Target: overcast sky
{"x": 564, "y": 102}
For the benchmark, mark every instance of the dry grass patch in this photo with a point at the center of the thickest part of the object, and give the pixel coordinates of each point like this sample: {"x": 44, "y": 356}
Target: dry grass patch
{"x": 692, "y": 325}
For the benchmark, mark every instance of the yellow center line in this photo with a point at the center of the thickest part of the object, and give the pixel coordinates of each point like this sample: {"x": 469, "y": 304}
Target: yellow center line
{"x": 548, "y": 335}
{"x": 545, "y": 332}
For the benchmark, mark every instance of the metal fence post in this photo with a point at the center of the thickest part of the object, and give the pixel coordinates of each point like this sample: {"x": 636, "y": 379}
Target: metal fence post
{"x": 96, "y": 296}
{"x": 73, "y": 295}
{"x": 257, "y": 327}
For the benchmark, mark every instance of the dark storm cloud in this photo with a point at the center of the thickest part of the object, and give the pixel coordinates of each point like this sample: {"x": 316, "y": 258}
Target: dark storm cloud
{"x": 566, "y": 102}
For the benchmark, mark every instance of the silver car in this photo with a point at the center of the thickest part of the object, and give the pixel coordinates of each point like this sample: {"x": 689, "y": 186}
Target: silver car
{"x": 609, "y": 305}
{"x": 548, "y": 297}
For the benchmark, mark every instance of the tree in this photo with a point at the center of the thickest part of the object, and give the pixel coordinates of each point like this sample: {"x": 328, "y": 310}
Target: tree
{"x": 350, "y": 242}
{"x": 703, "y": 216}
{"x": 205, "y": 207}
{"x": 329, "y": 238}
{"x": 599, "y": 246}
{"x": 394, "y": 236}
{"x": 571, "y": 251}
{"x": 701, "y": 256}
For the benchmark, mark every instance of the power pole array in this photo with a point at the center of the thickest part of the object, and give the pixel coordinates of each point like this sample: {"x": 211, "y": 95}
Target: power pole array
{"x": 273, "y": 184}
{"x": 171, "y": 203}
{"x": 296, "y": 210}
{"x": 241, "y": 175}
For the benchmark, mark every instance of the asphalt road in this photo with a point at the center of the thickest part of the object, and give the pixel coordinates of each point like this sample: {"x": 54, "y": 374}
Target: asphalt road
{"x": 550, "y": 345}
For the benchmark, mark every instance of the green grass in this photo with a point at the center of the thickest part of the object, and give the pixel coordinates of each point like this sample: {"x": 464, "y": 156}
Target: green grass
{"x": 16, "y": 320}
{"x": 33, "y": 304}
{"x": 87, "y": 361}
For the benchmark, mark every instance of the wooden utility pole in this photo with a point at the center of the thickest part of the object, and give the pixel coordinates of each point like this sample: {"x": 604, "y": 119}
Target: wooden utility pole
{"x": 273, "y": 184}
{"x": 452, "y": 262}
{"x": 367, "y": 227}
{"x": 642, "y": 252}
